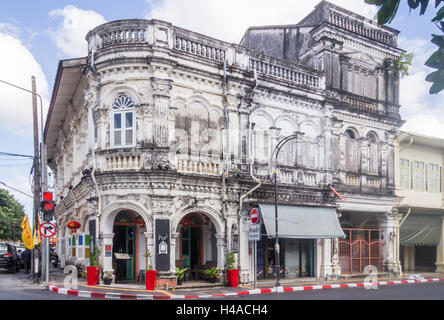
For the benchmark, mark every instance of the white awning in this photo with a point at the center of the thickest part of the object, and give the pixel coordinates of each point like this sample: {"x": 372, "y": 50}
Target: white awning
{"x": 297, "y": 222}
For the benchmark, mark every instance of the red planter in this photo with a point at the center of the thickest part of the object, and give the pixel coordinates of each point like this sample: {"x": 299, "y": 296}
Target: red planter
{"x": 150, "y": 279}
{"x": 92, "y": 275}
{"x": 233, "y": 277}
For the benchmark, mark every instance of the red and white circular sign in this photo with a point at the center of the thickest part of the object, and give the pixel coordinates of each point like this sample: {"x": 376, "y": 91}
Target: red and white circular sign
{"x": 47, "y": 229}
{"x": 254, "y": 215}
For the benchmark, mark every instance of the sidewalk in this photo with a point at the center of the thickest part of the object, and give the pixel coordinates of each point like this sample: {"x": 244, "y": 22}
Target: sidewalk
{"x": 204, "y": 290}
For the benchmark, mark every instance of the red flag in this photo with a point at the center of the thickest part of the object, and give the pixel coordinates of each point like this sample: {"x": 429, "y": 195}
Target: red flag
{"x": 336, "y": 193}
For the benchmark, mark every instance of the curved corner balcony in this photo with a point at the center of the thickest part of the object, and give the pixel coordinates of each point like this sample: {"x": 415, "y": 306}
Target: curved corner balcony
{"x": 116, "y": 33}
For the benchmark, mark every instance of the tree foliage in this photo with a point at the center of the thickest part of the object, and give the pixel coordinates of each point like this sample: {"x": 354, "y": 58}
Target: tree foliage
{"x": 387, "y": 12}
{"x": 403, "y": 62}
{"x": 11, "y": 216}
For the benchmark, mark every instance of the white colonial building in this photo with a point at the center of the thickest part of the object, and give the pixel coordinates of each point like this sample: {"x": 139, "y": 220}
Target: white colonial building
{"x": 419, "y": 175}
{"x": 163, "y": 139}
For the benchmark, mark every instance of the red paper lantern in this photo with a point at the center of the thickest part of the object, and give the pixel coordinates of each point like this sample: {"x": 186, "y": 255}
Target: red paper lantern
{"x": 73, "y": 225}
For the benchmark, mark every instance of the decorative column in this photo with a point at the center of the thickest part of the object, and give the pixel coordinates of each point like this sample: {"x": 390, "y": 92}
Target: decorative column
{"x": 440, "y": 250}
{"x": 173, "y": 242}
{"x": 336, "y": 268}
{"x": 244, "y": 131}
{"x": 326, "y": 267}
{"x": 220, "y": 243}
{"x": 161, "y": 97}
{"x": 149, "y": 244}
{"x": 171, "y": 132}
{"x": 106, "y": 249}
{"x": 389, "y": 223}
{"x": 391, "y": 140}
{"x": 245, "y": 266}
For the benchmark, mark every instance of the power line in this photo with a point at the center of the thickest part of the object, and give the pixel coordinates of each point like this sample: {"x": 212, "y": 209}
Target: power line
{"x": 14, "y": 165}
{"x": 15, "y": 189}
{"x": 9, "y": 159}
{"x": 15, "y": 155}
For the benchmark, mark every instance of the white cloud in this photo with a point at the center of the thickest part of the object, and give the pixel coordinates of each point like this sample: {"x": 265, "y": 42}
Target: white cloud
{"x": 17, "y": 65}
{"x": 228, "y": 20}
{"x": 426, "y": 123}
{"x": 421, "y": 111}
{"x": 70, "y": 34}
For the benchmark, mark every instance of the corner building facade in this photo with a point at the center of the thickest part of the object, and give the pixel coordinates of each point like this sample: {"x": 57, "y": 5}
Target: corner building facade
{"x": 162, "y": 139}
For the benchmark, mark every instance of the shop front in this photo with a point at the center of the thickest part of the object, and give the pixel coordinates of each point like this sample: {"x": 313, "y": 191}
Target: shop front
{"x": 420, "y": 236}
{"x": 296, "y": 258}
{"x": 299, "y": 229}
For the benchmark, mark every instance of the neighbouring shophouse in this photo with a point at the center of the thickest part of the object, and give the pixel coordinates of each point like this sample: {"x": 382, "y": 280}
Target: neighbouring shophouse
{"x": 419, "y": 162}
{"x": 163, "y": 139}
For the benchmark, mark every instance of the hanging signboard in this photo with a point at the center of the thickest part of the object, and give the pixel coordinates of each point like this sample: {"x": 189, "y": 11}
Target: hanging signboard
{"x": 162, "y": 244}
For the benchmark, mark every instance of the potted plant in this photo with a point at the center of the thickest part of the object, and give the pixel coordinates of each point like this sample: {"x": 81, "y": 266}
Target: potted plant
{"x": 93, "y": 270}
{"x": 150, "y": 274}
{"x": 180, "y": 273}
{"x": 232, "y": 273}
{"x": 213, "y": 273}
{"x": 107, "y": 277}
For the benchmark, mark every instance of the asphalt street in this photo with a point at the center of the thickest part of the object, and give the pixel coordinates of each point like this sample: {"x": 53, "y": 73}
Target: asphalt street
{"x": 18, "y": 286}
{"x": 417, "y": 291}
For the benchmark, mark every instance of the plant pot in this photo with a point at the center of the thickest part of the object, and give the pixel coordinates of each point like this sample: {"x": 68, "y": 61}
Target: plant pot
{"x": 150, "y": 279}
{"x": 233, "y": 278}
{"x": 179, "y": 281}
{"x": 107, "y": 280}
{"x": 92, "y": 275}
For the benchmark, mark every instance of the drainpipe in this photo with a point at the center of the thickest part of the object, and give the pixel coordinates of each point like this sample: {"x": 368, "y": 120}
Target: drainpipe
{"x": 99, "y": 201}
{"x": 251, "y": 158}
{"x": 225, "y": 173}
{"x": 250, "y": 155}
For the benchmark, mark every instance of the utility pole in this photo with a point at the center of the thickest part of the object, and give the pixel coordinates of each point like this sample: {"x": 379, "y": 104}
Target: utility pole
{"x": 37, "y": 190}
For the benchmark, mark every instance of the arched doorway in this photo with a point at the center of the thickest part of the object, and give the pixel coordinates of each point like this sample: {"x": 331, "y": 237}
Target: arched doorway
{"x": 126, "y": 245}
{"x": 197, "y": 245}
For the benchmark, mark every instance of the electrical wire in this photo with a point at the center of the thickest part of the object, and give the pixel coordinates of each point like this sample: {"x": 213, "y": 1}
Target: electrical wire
{"x": 15, "y": 155}
{"x": 15, "y": 189}
{"x": 14, "y": 165}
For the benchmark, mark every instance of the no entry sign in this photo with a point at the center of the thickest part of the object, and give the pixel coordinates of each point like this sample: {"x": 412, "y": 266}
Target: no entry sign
{"x": 254, "y": 215}
{"x": 47, "y": 229}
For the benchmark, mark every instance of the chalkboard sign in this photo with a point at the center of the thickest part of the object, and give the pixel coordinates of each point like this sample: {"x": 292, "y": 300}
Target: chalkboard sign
{"x": 162, "y": 244}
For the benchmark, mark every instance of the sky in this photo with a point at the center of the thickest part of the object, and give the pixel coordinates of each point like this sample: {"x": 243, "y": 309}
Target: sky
{"x": 35, "y": 35}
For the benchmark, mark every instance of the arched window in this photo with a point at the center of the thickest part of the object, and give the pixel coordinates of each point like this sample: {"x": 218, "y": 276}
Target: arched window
{"x": 123, "y": 122}
{"x": 350, "y": 134}
{"x": 261, "y": 145}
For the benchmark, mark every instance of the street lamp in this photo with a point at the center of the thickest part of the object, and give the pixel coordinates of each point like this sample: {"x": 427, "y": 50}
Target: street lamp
{"x": 276, "y": 151}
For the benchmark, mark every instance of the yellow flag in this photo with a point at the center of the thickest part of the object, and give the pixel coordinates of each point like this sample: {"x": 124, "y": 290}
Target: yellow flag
{"x": 38, "y": 230}
{"x": 26, "y": 233}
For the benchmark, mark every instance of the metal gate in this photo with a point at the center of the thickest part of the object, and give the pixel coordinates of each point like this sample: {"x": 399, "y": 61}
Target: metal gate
{"x": 360, "y": 248}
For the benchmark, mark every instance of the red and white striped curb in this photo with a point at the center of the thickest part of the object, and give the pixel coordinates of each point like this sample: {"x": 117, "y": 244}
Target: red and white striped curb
{"x": 125, "y": 296}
